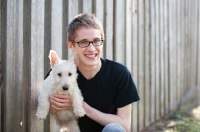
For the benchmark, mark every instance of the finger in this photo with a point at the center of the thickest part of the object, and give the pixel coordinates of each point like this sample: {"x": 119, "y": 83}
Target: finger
{"x": 61, "y": 108}
{"x": 61, "y": 100}
{"x": 62, "y": 96}
{"x": 61, "y": 104}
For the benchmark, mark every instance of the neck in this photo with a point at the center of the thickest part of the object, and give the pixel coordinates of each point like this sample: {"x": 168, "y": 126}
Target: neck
{"x": 89, "y": 71}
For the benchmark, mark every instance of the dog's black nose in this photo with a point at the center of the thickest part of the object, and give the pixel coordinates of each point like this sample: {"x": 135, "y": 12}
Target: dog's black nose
{"x": 65, "y": 88}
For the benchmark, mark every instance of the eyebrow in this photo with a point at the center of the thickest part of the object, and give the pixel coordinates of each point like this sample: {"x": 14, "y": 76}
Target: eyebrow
{"x": 88, "y": 40}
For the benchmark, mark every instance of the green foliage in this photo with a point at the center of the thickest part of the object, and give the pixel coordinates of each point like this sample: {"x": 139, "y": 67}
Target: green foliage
{"x": 187, "y": 124}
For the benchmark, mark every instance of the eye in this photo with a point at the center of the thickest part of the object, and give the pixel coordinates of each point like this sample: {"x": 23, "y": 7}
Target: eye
{"x": 69, "y": 74}
{"x": 59, "y": 74}
{"x": 83, "y": 42}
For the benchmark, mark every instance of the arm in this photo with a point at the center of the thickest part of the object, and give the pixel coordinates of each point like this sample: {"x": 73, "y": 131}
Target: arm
{"x": 123, "y": 116}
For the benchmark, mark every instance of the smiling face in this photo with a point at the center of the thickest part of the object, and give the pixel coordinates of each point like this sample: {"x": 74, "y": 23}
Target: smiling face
{"x": 88, "y": 56}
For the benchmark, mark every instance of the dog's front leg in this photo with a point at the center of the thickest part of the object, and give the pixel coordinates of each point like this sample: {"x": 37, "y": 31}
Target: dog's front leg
{"x": 77, "y": 102}
{"x": 43, "y": 106}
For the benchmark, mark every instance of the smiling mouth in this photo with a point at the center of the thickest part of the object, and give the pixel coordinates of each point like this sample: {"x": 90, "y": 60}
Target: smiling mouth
{"x": 91, "y": 55}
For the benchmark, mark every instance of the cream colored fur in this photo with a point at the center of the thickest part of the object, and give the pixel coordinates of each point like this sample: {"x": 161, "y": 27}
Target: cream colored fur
{"x": 63, "y": 74}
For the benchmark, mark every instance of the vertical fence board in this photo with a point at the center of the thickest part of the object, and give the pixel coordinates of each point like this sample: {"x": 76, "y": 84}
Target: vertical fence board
{"x": 141, "y": 63}
{"x": 161, "y": 59}
{"x": 195, "y": 49}
{"x": 165, "y": 33}
{"x": 172, "y": 56}
{"x": 1, "y": 71}
{"x": 193, "y": 42}
{"x": 13, "y": 67}
{"x": 99, "y": 13}
{"x": 37, "y": 54}
{"x": 185, "y": 46}
{"x": 134, "y": 127}
{"x": 178, "y": 49}
{"x": 182, "y": 49}
{"x": 198, "y": 53}
{"x": 119, "y": 32}
{"x": 87, "y": 6}
{"x": 128, "y": 42}
{"x": 188, "y": 47}
{"x": 157, "y": 59}
{"x": 57, "y": 26}
{"x": 152, "y": 86}
{"x": 147, "y": 63}
{"x": 72, "y": 12}
{"x": 109, "y": 28}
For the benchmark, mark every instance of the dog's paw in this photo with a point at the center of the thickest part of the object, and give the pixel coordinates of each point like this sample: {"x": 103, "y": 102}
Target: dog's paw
{"x": 40, "y": 115}
{"x": 80, "y": 112}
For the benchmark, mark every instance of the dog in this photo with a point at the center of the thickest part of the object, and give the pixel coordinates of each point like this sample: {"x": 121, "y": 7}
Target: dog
{"x": 61, "y": 80}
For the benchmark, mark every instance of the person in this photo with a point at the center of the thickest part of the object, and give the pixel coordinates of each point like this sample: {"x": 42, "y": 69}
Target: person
{"x": 107, "y": 86}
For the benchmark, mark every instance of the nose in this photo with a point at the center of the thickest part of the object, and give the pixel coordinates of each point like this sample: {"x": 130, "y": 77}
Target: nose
{"x": 91, "y": 46}
{"x": 65, "y": 88}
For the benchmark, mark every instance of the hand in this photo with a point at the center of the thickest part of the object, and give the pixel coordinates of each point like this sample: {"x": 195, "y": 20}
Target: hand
{"x": 60, "y": 102}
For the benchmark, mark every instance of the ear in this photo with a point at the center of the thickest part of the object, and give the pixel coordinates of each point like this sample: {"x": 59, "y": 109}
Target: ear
{"x": 53, "y": 58}
{"x": 70, "y": 45}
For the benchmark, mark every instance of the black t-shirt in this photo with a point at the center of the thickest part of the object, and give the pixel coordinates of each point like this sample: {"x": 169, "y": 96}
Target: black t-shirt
{"x": 111, "y": 88}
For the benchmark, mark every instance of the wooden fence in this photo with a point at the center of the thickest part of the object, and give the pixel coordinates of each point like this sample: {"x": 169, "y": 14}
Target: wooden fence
{"x": 158, "y": 40}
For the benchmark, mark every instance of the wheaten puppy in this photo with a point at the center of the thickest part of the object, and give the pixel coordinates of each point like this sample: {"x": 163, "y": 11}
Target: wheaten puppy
{"x": 62, "y": 80}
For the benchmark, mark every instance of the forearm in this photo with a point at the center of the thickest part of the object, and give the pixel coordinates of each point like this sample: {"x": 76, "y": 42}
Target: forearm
{"x": 104, "y": 119}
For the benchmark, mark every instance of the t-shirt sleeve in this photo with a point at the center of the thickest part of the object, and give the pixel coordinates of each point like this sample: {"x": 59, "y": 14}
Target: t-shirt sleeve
{"x": 126, "y": 92}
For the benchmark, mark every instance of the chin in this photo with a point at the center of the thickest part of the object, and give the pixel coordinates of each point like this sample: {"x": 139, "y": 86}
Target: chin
{"x": 92, "y": 63}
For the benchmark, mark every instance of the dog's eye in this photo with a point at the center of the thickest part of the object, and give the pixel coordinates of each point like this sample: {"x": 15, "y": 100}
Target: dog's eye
{"x": 59, "y": 74}
{"x": 69, "y": 74}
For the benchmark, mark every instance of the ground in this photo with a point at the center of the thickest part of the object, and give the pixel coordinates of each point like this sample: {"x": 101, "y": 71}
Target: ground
{"x": 183, "y": 120}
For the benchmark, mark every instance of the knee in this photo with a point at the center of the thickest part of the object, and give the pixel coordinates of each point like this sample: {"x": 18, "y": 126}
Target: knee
{"x": 113, "y": 127}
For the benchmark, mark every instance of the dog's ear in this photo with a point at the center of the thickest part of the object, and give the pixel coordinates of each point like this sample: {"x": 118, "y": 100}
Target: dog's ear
{"x": 53, "y": 58}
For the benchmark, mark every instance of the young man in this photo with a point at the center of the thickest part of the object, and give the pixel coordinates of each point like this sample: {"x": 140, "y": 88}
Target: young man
{"x": 107, "y": 86}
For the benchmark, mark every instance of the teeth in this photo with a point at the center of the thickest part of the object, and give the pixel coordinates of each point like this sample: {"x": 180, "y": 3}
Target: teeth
{"x": 93, "y": 55}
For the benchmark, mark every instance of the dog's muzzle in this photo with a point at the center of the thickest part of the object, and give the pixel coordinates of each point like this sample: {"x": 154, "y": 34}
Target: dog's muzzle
{"x": 65, "y": 88}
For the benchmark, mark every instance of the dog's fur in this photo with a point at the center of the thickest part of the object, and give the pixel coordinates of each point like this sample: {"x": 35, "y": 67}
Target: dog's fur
{"x": 62, "y": 80}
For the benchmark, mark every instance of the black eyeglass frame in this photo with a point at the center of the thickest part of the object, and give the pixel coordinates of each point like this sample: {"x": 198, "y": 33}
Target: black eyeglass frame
{"x": 90, "y": 42}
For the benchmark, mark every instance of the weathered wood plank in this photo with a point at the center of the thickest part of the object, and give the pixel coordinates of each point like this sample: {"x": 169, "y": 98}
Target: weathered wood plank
{"x": 157, "y": 59}
{"x": 172, "y": 56}
{"x": 161, "y": 59}
{"x": 119, "y": 31}
{"x": 37, "y": 59}
{"x": 178, "y": 50}
{"x": 166, "y": 62}
{"x": 147, "y": 63}
{"x": 87, "y": 6}
{"x": 57, "y": 26}
{"x": 108, "y": 29}
{"x": 186, "y": 53}
{"x": 194, "y": 51}
{"x": 141, "y": 63}
{"x": 152, "y": 63}
{"x": 194, "y": 48}
{"x": 134, "y": 126}
{"x": 13, "y": 66}
{"x": 128, "y": 42}
{"x": 198, "y": 64}
{"x": 98, "y": 10}
{"x": 1, "y": 69}
{"x": 72, "y": 12}
{"x": 181, "y": 49}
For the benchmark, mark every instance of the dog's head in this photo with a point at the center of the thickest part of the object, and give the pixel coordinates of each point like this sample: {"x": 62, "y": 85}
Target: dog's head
{"x": 64, "y": 73}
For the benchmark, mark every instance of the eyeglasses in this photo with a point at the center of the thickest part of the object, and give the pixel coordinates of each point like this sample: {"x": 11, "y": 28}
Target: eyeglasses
{"x": 85, "y": 43}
